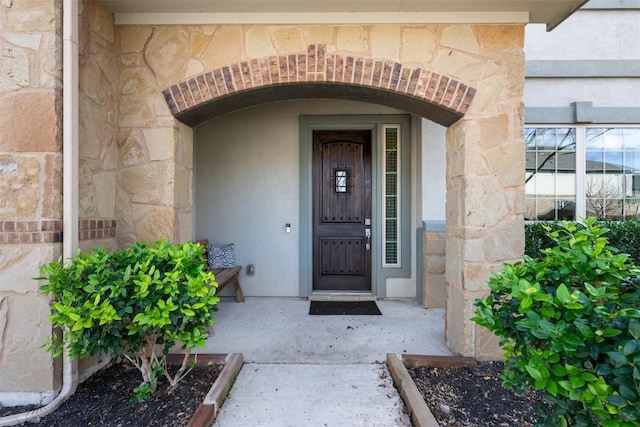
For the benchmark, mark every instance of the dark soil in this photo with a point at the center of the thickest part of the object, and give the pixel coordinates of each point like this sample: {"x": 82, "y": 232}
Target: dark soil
{"x": 103, "y": 400}
{"x": 465, "y": 397}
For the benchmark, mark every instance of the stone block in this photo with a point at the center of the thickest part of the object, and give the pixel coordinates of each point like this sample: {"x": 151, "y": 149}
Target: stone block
{"x": 34, "y": 16}
{"x": 25, "y": 331}
{"x": 158, "y": 223}
{"x": 184, "y": 148}
{"x": 480, "y": 193}
{"x": 506, "y": 241}
{"x": 434, "y": 243}
{"x": 459, "y": 332}
{"x": 133, "y": 150}
{"x": 288, "y": 40}
{"x": 495, "y": 131}
{"x": 133, "y": 39}
{"x": 224, "y": 48}
{"x": 500, "y": 37}
{"x": 461, "y": 38}
{"x": 102, "y": 22}
{"x": 184, "y": 228}
{"x": 104, "y": 185}
{"x": 17, "y": 111}
{"x": 143, "y": 182}
{"x": 19, "y": 186}
{"x": 352, "y": 39}
{"x": 459, "y": 65}
{"x": 434, "y": 291}
{"x": 19, "y": 264}
{"x": 30, "y": 41}
{"x": 385, "y": 42}
{"x": 51, "y": 206}
{"x": 160, "y": 143}
{"x": 435, "y": 264}
{"x": 487, "y": 345}
{"x": 322, "y": 33}
{"x": 51, "y": 56}
{"x": 487, "y": 99}
{"x": 168, "y": 45}
{"x": 93, "y": 129}
{"x": 137, "y": 81}
{"x": 136, "y": 111}
{"x": 259, "y": 43}
{"x": 183, "y": 186}
{"x": 419, "y": 45}
{"x": 476, "y": 275}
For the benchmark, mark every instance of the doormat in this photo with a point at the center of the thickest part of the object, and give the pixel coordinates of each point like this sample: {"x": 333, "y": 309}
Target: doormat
{"x": 345, "y": 308}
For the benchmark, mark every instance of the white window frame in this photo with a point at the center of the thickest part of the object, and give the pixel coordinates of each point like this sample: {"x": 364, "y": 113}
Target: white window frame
{"x": 398, "y": 217}
{"x": 581, "y": 155}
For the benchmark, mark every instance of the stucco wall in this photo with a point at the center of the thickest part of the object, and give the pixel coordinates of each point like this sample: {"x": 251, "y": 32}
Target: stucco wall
{"x": 605, "y": 42}
{"x": 31, "y": 188}
{"x": 247, "y": 183}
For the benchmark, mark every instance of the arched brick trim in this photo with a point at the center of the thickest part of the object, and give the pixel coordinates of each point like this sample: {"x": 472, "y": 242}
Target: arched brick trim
{"x": 316, "y": 74}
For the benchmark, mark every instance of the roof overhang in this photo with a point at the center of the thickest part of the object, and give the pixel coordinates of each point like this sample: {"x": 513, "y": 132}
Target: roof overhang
{"x": 195, "y": 12}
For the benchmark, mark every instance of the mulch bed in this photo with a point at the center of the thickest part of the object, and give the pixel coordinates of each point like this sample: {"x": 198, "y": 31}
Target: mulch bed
{"x": 465, "y": 397}
{"x": 103, "y": 400}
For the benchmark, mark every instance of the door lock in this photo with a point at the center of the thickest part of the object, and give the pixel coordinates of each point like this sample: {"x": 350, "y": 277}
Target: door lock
{"x": 367, "y": 234}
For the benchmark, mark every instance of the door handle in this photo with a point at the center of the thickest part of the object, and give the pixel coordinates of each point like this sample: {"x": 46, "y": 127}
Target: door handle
{"x": 367, "y": 234}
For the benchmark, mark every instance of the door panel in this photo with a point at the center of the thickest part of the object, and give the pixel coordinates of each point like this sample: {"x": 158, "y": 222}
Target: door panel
{"x": 341, "y": 206}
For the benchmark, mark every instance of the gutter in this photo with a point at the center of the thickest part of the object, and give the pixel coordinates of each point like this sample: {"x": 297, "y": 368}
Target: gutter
{"x": 564, "y": 15}
{"x": 70, "y": 192}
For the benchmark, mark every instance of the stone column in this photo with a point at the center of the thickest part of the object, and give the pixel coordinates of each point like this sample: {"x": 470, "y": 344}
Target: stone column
{"x": 485, "y": 189}
{"x": 31, "y": 188}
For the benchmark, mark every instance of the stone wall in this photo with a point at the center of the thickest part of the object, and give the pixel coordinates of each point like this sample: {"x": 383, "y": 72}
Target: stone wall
{"x": 31, "y": 188}
{"x": 485, "y": 189}
{"x": 435, "y": 262}
{"x": 136, "y": 160}
{"x": 98, "y": 134}
{"x": 485, "y": 153}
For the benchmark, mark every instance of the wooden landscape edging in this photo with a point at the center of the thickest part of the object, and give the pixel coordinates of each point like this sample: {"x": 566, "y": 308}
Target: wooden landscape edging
{"x": 206, "y": 412}
{"x": 420, "y": 413}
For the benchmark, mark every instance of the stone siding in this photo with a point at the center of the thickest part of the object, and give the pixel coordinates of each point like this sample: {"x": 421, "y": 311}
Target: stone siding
{"x": 136, "y": 161}
{"x": 98, "y": 133}
{"x": 31, "y": 188}
{"x": 435, "y": 263}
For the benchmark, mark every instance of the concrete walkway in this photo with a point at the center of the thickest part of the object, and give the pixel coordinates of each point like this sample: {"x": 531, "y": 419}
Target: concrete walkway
{"x": 303, "y": 370}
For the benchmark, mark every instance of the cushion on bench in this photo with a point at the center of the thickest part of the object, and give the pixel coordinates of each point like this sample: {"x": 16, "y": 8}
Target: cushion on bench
{"x": 224, "y": 276}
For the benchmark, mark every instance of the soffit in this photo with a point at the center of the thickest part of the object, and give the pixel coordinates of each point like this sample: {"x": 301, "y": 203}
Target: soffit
{"x": 551, "y": 12}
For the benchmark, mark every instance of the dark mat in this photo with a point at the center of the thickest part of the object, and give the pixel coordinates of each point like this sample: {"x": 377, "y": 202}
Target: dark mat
{"x": 345, "y": 308}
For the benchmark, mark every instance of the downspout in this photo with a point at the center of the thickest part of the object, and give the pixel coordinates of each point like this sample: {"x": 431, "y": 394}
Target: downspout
{"x": 70, "y": 191}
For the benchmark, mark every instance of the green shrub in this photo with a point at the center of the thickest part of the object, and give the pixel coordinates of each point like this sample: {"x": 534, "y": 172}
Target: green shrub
{"x": 137, "y": 302}
{"x": 568, "y": 322}
{"x": 622, "y": 235}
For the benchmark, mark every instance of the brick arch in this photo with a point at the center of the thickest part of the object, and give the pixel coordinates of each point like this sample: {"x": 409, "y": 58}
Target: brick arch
{"x": 318, "y": 74}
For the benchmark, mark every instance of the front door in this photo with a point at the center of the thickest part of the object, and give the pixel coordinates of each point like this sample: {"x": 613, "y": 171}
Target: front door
{"x": 342, "y": 210}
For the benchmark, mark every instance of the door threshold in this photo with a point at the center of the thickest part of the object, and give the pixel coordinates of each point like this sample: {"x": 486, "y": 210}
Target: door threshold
{"x": 342, "y": 296}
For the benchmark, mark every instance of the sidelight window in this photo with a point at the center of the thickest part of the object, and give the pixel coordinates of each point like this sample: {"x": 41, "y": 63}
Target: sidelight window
{"x": 391, "y": 192}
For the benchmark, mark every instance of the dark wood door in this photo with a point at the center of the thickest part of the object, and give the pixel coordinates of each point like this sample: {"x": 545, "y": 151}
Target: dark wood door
{"x": 342, "y": 210}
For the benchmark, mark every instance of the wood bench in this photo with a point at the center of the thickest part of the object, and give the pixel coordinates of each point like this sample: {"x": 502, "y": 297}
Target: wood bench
{"x": 224, "y": 276}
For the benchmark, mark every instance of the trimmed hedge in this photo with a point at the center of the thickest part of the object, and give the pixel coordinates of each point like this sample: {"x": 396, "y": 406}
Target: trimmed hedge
{"x": 622, "y": 235}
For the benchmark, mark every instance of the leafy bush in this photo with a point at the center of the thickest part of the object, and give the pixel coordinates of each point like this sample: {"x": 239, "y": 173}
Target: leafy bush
{"x": 568, "y": 323}
{"x": 622, "y": 235}
{"x": 137, "y": 302}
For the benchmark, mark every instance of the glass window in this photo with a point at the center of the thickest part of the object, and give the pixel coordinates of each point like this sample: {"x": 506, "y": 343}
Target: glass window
{"x": 608, "y": 183}
{"x": 391, "y": 166}
{"x": 613, "y": 161}
{"x": 550, "y": 181}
